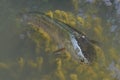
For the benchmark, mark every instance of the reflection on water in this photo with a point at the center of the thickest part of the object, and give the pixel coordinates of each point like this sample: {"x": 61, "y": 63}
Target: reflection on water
{"x": 26, "y": 52}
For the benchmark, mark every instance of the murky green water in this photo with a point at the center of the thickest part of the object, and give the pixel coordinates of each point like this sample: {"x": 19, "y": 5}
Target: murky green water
{"x": 26, "y": 55}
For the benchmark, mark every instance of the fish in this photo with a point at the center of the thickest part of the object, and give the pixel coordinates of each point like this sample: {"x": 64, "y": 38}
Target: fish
{"x": 83, "y": 46}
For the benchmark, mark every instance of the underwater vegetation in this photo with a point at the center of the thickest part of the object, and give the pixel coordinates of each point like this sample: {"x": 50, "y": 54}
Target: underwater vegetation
{"x": 39, "y": 62}
{"x": 36, "y": 49}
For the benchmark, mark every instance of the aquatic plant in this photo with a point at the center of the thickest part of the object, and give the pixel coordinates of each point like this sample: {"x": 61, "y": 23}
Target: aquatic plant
{"x": 46, "y": 37}
{"x": 73, "y": 77}
{"x": 21, "y": 62}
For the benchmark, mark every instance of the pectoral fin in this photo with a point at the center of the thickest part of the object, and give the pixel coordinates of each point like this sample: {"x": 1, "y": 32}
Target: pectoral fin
{"x": 59, "y": 50}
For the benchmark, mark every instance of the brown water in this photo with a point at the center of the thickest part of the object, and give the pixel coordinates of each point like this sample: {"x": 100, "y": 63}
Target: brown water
{"x": 26, "y": 58}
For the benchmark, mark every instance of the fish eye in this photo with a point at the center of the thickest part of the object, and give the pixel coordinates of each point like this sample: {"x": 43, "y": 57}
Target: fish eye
{"x": 83, "y": 36}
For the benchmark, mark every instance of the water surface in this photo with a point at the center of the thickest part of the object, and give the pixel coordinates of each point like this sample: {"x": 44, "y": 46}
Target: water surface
{"x": 26, "y": 58}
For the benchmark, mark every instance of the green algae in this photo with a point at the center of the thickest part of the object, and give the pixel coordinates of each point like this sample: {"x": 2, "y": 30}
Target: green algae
{"x": 34, "y": 60}
{"x": 43, "y": 64}
{"x": 67, "y": 66}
